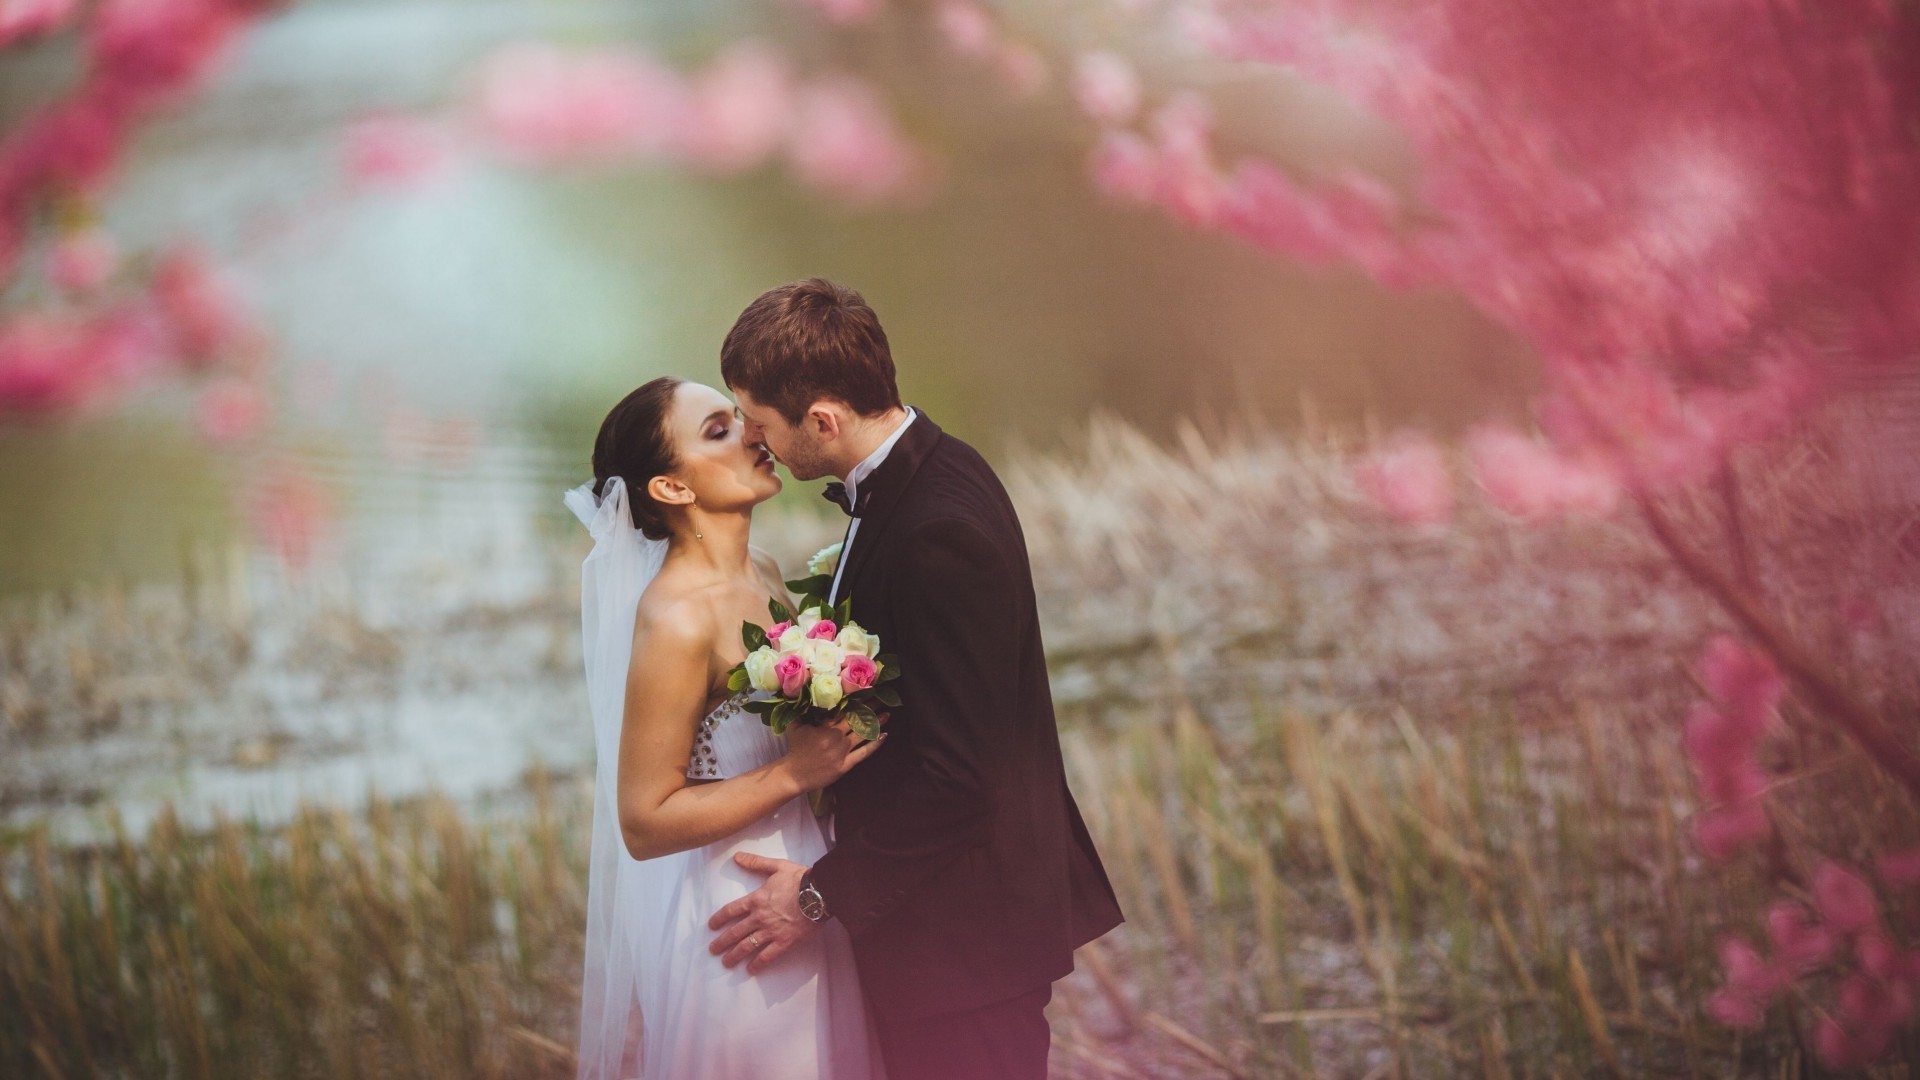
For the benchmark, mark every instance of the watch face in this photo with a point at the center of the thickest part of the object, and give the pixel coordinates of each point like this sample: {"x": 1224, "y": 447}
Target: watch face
{"x": 811, "y": 904}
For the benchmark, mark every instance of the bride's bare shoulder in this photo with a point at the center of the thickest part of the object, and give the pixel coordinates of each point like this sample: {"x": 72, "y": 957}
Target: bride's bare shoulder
{"x": 668, "y": 613}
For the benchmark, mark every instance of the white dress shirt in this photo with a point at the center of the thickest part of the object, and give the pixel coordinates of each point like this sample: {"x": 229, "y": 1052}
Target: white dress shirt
{"x": 859, "y": 473}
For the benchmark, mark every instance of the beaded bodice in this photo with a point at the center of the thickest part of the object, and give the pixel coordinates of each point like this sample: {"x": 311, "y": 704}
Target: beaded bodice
{"x": 730, "y": 740}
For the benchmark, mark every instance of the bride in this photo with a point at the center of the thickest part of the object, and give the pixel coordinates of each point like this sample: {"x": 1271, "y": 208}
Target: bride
{"x": 687, "y": 778}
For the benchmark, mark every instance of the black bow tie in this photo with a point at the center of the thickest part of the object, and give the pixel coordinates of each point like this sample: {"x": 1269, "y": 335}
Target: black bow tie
{"x": 836, "y": 494}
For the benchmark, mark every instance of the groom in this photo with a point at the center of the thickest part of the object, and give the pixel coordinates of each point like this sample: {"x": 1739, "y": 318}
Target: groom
{"x": 961, "y": 868}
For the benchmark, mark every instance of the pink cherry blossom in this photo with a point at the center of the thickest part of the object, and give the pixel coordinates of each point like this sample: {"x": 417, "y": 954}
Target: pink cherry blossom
{"x": 543, "y": 105}
{"x": 82, "y": 262}
{"x": 1533, "y": 482}
{"x": 201, "y": 305}
{"x": 1744, "y": 681}
{"x": 1798, "y": 942}
{"x": 73, "y": 145}
{"x": 398, "y": 152}
{"x": 154, "y": 50}
{"x": 1107, "y": 88}
{"x": 742, "y": 105}
{"x": 1190, "y": 187}
{"x": 1746, "y": 973}
{"x": 844, "y": 143}
{"x": 22, "y": 19}
{"x": 44, "y": 365}
{"x": 1407, "y": 479}
{"x": 1124, "y": 167}
{"x": 966, "y": 28}
{"x": 1845, "y": 901}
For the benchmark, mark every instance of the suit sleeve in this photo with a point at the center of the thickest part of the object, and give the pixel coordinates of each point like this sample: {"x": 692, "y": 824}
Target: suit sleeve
{"x": 955, "y": 636}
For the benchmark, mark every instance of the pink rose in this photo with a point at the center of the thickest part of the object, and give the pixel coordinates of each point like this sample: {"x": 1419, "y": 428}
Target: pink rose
{"x": 781, "y": 627}
{"x": 823, "y": 629}
{"x": 857, "y": 672}
{"x": 792, "y": 673}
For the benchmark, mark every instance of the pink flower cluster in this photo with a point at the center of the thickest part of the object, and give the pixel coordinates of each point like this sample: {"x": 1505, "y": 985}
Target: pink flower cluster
{"x": 1407, "y": 479}
{"x": 1533, "y": 481}
{"x": 185, "y": 319}
{"x": 542, "y": 105}
{"x": 1875, "y": 992}
{"x": 108, "y": 326}
{"x": 1664, "y": 207}
{"x": 1722, "y": 740}
{"x": 973, "y": 32}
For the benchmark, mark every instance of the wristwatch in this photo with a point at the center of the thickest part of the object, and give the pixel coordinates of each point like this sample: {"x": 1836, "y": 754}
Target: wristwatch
{"x": 812, "y": 904}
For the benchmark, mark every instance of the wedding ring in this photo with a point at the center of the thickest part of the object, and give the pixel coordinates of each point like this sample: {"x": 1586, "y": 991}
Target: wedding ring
{"x": 754, "y": 941}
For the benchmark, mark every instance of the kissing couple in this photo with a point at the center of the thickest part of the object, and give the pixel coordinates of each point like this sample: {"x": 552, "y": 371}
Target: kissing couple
{"x": 733, "y": 932}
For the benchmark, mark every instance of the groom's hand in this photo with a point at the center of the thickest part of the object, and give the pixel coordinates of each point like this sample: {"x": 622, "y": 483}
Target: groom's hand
{"x": 761, "y": 926}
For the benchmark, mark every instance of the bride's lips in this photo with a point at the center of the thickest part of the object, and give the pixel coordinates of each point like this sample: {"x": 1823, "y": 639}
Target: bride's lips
{"x": 766, "y": 458}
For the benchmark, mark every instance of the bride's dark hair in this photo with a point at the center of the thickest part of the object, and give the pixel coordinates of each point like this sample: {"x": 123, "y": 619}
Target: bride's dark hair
{"x": 633, "y": 444}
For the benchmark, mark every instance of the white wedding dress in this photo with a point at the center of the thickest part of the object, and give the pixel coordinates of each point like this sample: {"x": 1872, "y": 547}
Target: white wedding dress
{"x": 647, "y": 962}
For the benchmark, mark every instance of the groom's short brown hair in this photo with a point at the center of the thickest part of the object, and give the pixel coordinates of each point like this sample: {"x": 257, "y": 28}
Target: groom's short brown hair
{"x": 807, "y": 340}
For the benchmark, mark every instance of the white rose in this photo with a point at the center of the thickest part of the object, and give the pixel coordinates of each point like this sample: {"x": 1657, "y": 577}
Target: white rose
{"x": 760, "y": 669}
{"x": 825, "y": 560}
{"x": 792, "y": 639}
{"x": 807, "y": 618}
{"x": 853, "y": 639}
{"x": 822, "y": 655}
{"x": 826, "y": 690}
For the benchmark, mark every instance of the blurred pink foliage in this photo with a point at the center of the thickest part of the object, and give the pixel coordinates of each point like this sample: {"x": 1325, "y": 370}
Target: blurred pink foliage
{"x": 1107, "y": 88}
{"x": 1687, "y": 211}
{"x": 1408, "y": 479}
{"x": 1533, "y": 481}
{"x": 1722, "y": 740}
{"x": 111, "y": 328}
{"x": 23, "y": 19}
{"x": 542, "y": 105}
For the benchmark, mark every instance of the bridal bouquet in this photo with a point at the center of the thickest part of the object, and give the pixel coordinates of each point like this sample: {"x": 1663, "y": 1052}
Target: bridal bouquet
{"x": 818, "y": 663}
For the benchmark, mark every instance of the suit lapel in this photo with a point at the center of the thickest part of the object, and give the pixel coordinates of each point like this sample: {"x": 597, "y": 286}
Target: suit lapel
{"x": 888, "y": 483}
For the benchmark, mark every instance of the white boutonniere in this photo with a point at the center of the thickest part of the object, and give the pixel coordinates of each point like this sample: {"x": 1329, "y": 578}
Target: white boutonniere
{"x": 825, "y": 561}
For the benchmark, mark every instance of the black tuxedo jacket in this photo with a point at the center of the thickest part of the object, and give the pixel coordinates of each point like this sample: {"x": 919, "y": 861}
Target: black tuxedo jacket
{"x": 961, "y": 867}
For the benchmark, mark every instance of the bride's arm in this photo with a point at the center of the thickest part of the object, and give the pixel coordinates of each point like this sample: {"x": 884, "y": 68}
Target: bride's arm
{"x": 660, "y": 810}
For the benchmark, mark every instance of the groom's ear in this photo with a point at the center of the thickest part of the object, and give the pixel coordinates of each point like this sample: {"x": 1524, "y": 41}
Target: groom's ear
{"x": 824, "y": 421}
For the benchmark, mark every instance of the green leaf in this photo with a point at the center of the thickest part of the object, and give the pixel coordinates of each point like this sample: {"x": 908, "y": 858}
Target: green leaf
{"x": 781, "y": 613}
{"x": 844, "y": 613}
{"x": 816, "y": 585}
{"x": 752, "y": 636}
{"x": 762, "y": 709}
{"x": 889, "y": 667}
{"x": 886, "y": 695}
{"x": 863, "y": 722}
{"x": 786, "y": 713}
{"x": 737, "y": 679}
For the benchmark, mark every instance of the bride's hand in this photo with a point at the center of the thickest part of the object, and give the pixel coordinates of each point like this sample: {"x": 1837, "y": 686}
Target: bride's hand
{"x": 820, "y": 754}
